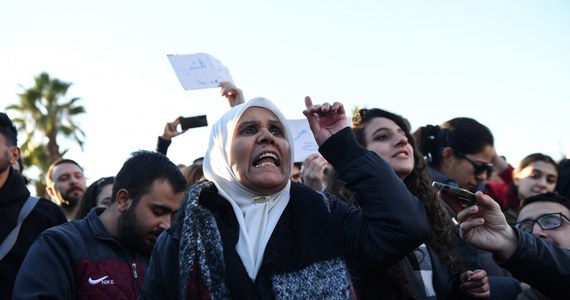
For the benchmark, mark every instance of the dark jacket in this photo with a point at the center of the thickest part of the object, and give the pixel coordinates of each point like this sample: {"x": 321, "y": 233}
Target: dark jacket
{"x": 79, "y": 260}
{"x": 316, "y": 240}
{"x": 162, "y": 145}
{"x": 502, "y": 285}
{"x": 13, "y": 195}
{"x": 541, "y": 264}
{"x": 445, "y": 286}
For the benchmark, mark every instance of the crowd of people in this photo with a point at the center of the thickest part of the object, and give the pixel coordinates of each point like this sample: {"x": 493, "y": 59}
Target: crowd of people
{"x": 357, "y": 220}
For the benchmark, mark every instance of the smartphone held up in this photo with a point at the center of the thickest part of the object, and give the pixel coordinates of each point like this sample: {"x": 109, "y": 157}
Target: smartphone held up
{"x": 193, "y": 122}
{"x": 465, "y": 197}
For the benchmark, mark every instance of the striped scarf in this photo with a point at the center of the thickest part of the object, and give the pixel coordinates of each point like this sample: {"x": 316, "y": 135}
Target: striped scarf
{"x": 421, "y": 263}
{"x": 203, "y": 272}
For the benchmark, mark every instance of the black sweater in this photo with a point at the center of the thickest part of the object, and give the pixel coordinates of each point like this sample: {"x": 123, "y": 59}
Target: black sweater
{"x": 13, "y": 195}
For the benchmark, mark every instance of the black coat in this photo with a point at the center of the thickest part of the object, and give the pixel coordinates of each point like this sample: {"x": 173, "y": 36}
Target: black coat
{"x": 315, "y": 242}
{"x": 13, "y": 195}
{"x": 541, "y": 264}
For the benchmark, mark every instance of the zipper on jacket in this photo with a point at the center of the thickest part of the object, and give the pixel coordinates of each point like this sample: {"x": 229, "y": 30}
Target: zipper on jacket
{"x": 136, "y": 275}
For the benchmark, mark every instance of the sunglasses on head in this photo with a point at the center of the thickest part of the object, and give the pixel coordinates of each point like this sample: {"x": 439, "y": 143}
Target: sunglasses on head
{"x": 546, "y": 222}
{"x": 478, "y": 168}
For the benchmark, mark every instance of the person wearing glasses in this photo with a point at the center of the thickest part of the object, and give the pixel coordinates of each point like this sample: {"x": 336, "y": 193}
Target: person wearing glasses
{"x": 434, "y": 270}
{"x": 536, "y": 250}
{"x": 460, "y": 152}
{"x": 537, "y": 173}
{"x": 545, "y": 216}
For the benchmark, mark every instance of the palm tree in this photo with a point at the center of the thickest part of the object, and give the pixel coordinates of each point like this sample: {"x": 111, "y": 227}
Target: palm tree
{"x": 45, "y": 114}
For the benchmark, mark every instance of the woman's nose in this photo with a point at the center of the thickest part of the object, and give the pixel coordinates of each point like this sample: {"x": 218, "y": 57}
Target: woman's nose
{"x": 265, "y": 136}
{"x": 481, "y": 177}
{"x": 542, "y": 182}
{"x": 402, "y": 140}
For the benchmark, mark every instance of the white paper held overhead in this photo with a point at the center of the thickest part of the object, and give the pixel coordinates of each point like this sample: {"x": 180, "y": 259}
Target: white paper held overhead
{"x": 199, "y": 70}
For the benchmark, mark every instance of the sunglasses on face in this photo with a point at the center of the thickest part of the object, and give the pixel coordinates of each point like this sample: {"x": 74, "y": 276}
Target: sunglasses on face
{"x": 478, "y": 168}
{"x": 546, "y": 222}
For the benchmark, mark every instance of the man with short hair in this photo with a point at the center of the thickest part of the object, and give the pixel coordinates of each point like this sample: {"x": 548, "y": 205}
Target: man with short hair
{"x": 66, "y": 185}
{"x": 105, "y": 255}
{"x": 534, "y": 249}
{"x": 546, "y": 216}
{"x": 13, "y": 196}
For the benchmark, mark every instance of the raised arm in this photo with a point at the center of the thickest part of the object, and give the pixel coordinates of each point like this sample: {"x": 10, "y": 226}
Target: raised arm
{"x": 324, "y": 119}
{"x": 390, "y": 222}
{"x": 232, "y": 93}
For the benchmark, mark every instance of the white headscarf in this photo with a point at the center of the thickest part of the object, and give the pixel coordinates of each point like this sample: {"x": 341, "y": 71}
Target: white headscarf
{"x": 257, "y": 215}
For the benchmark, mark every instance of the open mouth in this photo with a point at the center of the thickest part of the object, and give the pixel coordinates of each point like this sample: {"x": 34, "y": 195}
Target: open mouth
{"x": 266, "y": 159}
{"x": 401, "y": 154}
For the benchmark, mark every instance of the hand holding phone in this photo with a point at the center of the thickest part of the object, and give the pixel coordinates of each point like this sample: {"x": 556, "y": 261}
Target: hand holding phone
{"x": 465, "y": 197}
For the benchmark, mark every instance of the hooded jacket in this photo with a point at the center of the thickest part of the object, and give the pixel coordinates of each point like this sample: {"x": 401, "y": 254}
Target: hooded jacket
{"x": 46, "y": 214}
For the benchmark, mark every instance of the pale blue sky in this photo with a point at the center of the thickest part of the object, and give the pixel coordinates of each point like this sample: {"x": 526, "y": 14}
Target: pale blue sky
{"x": 504, "y": 63}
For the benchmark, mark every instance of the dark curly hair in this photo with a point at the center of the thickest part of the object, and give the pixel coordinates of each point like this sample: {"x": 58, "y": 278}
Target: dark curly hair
{"x": 442, "y": 236}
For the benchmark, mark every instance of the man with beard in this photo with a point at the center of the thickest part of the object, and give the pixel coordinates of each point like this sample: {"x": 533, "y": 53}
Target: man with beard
{"x": 13, "y": 198}
{"x": 105, "y": 255}
{"x": 66, "y": 185}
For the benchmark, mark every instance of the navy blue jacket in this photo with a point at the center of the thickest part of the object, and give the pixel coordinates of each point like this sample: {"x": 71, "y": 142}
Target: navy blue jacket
{"x": 79, "y": 260}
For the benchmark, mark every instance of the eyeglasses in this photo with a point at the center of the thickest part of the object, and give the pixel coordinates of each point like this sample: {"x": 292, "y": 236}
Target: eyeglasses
{"x": 546, "y": 222}
{"x": 478, "y": 168}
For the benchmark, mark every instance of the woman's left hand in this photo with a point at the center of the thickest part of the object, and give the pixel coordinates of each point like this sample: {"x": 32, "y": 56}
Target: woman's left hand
{"x": 232, "y": 93}
{"x": 324, "y": 119}
{"x": 475, "y": 284}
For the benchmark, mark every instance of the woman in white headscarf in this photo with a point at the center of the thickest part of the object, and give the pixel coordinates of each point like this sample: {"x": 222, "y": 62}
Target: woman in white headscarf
{"x": 250, "y": 233}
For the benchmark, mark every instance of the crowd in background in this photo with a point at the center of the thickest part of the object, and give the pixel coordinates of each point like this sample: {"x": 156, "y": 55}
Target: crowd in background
{"x": 357, "y": 220}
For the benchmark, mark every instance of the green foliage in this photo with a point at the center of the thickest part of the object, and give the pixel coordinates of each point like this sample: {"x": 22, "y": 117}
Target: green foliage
{"x": 44, "y": 115}
{"x": 355, "y": 111}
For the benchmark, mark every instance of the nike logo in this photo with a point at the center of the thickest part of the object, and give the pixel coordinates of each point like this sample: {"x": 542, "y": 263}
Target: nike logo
{"x": 96, "y": 281}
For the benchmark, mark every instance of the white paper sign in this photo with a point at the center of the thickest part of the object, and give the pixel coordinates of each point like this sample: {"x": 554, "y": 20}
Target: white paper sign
{"x": 304, "y": 143}
{"x": 199, "y": 70}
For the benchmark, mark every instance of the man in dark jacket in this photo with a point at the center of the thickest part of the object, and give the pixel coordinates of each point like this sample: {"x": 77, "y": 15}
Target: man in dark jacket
{"x": 532, "y": 259}
{"x": 105, "y": 255}
{"x": 546, "y": 216}
{"x": 13, "y": 195}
